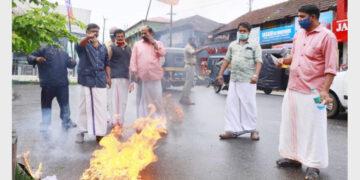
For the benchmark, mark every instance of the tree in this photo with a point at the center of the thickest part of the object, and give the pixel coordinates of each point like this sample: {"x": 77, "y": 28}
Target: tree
{"x": 39, "y": 24}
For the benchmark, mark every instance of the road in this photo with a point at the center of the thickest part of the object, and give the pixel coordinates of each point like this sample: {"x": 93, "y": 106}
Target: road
{"x": 191, "y": 150}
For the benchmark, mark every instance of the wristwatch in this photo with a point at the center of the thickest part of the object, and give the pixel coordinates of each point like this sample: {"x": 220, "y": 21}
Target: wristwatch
{"x": 153, "y": 43}
{"x": 255, "y": 76}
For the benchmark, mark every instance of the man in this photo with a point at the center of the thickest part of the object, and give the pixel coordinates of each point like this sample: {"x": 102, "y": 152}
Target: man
{"x": 145, "y": 67}
{"x": 93, "y": 75}
{"x": 119, "y": 55}
{"x": 246, "y": 61}
{"x": 190, "y": 64}
{"x": 303, "y": 134}
{"x": 52, "y": 63}
{"x": 112, "y": 37}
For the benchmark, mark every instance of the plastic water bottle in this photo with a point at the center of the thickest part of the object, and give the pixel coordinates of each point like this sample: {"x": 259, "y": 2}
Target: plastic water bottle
{"x": 317, "y": 99}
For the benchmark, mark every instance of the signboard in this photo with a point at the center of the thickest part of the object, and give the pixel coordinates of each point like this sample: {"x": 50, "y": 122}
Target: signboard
{"x": 340, "y": 29}
{"x": 326, "y": 19}
{"x": 279, "y": 34}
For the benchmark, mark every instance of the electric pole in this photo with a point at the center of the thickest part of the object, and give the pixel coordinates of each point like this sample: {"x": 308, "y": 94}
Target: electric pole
{"x": 250, "y": 5}
{"x": 104, "y": 30}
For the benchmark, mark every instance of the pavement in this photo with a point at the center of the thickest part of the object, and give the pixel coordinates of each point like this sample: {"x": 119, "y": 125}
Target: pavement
{"x": 190, "y": 150}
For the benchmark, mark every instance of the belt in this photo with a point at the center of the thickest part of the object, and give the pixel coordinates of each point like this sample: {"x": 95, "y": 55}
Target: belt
{"x": 191, "y": 64}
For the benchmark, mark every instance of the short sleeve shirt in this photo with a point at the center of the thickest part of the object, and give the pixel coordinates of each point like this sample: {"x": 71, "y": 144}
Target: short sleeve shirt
{"x": 189, "y": 57}
{"x": 243, "y": 58}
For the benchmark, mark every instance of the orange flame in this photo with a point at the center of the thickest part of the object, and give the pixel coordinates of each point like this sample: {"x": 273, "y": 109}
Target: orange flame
{"x": 28, "y": 167}
{"x": 125, "y": 160}
{"x": 174, "y": 112}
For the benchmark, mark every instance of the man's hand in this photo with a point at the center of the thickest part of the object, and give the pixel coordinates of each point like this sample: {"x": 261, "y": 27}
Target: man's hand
{"x": 40, "y": 59}
{"x": 73, "y": 61}
{"x": 108, "y": 82}
{"x": 91, "y": 36}
{"x": 220, "y": 79}
{"x": 206, "y": 48}
{"x": 253, "y": 80}
{"x": 279, "y": 63}
{"x": 325, "y": 97}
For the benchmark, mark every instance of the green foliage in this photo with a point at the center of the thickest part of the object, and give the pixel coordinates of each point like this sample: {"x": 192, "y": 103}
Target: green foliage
{"x": 20, "y": 174}
{"x": 38, "y": 25}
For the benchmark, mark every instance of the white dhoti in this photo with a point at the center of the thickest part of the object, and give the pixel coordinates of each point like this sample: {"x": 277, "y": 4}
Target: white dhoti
{"x": 119, "y": 95}
{"x": 150, "y": 92}
{"x": 241, "y": 113}
{"x": 93, "y": 113}
{"x": 303, "y": 135}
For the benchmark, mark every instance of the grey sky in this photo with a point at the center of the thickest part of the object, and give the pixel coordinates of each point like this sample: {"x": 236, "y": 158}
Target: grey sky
{"x": 125, "y": 13}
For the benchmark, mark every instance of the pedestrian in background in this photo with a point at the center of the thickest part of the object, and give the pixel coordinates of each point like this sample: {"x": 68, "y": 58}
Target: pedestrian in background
{"x": 246, "y": 62}
{"x": 190, "y": 53}
{"x": 314, "y": 61}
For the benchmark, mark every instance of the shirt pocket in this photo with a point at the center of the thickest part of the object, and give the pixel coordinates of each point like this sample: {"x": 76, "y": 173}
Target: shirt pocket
{"x": 313, "y": 53}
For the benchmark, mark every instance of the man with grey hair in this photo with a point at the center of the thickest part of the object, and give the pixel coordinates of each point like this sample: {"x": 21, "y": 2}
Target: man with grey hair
{"x": 146, "y": 68}
{"x": 190, "y": 53}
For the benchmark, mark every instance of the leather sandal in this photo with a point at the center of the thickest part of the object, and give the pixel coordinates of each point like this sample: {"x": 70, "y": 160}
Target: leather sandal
{"x": 288, "y": 163}
{"x": 255, "y": 136}
{"x": 228, "y": 136}
{"x": 312, "y": 174}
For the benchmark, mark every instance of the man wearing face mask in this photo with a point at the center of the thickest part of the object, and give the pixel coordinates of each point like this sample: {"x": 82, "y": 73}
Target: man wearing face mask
{"x": 190, "y": 65}
{"x": 112, "y": 37}
{"x": 146, "y": 68}
{"x": 313, "y": 64}
{"x": 119, "y": 55}
{"x": 93, "y": 75}
{"x": 246, "y": 61}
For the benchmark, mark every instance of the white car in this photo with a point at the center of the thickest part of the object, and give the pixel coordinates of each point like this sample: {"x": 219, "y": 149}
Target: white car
{"x": 339, "y": 93}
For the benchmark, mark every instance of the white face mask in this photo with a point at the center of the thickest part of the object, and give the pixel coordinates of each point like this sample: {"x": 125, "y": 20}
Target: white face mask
{"x": 240, "y": 36}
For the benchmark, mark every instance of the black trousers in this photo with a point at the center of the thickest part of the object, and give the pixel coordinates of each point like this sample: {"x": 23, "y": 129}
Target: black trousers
{"x": 48, "y": 93}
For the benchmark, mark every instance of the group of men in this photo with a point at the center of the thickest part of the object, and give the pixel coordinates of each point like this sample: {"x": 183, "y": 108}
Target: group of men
{"x": 303, "y": 136}
{"x": 116, "y": 67}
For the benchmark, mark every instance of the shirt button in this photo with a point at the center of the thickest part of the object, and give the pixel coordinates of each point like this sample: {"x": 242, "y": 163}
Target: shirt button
{"x": 304, "y": 44}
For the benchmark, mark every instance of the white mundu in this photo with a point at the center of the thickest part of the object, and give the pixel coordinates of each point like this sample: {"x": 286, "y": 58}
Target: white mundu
{"x": 119, "y": 95}
{"x": 303, "y": 135}
{"x": 241, "y": 114}
{"x": 93, "y": 111}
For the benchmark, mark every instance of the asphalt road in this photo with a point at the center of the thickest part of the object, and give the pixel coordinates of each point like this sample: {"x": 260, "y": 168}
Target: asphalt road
{"x": 191, "y": 150}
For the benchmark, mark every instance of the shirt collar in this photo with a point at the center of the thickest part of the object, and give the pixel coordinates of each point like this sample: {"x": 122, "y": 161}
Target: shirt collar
{"x": 317, "y": 29}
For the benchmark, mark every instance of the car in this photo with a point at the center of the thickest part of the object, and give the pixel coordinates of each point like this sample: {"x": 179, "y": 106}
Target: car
{"x": 339, "y": 93}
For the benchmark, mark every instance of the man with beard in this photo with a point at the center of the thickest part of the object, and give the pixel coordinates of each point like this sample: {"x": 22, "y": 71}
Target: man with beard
{"x": 313, "y": 65}
{"x": 190, "y": 64}
{"x": 93, "y": 75}
{"x": 119, "y": 55}
{"x": 146, "y": 68}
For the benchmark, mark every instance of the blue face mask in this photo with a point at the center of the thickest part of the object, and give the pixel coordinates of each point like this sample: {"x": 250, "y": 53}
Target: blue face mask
{"x": 112, "y": 37}
{"x": 305, "y": 23}
{"x": 240, "y": 36}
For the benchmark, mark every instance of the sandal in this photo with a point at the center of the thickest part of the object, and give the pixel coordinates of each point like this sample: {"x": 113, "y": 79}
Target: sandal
{"x": 228, "y": 136}
{"x": 312, "y": 174}
{"x": 255, "y": 136}
{"x": 288, "y": 163}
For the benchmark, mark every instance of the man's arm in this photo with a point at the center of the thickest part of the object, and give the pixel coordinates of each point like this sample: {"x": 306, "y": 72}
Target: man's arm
{"x": 70, "y": 62}
{"x": 331, "y": 65}
{"x": 224, "y": 65}
{"x": 36, "y": 57}
{"x": 159, "y": 48}
{"x": 109, "y": 52}
{"x": 199, "y": 50}
{"x": 259, "y": 61}
{"x": 133, "y": 64}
